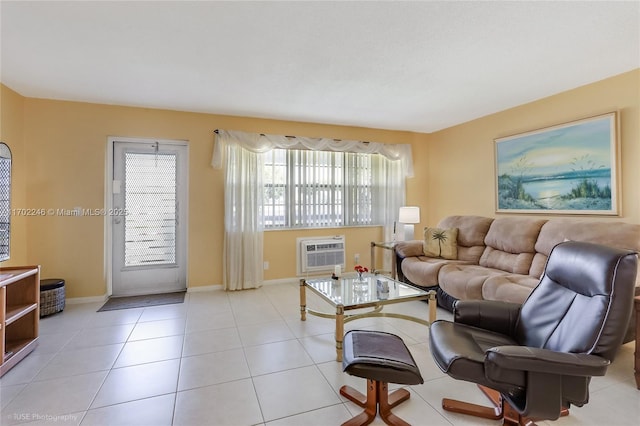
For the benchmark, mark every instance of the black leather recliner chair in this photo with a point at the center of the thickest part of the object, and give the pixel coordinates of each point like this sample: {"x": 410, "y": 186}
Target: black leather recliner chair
{"x": 536, "y": 359}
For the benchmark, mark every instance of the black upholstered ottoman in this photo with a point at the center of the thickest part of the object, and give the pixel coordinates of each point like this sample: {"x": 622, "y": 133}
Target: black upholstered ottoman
{"x": 52, "y": 296}
{"x": 381, "y": 358}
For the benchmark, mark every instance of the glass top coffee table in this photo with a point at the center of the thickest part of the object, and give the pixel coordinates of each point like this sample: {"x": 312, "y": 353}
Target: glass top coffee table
{"x": 346, "y": 294}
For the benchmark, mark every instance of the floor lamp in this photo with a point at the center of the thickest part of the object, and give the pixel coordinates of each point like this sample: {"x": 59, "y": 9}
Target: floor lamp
{"x": 408, "y": 216}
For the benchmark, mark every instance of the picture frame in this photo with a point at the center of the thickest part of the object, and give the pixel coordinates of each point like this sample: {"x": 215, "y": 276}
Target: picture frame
{"x": 570, "y": 168}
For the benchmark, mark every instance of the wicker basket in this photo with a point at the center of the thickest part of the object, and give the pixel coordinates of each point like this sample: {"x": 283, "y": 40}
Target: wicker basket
{"x": 52, "y": 296}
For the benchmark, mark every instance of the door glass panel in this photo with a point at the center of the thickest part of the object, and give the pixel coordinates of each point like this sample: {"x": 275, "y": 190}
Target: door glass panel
{"x": 151, "y": 207}
{"x": 5, "y": 200}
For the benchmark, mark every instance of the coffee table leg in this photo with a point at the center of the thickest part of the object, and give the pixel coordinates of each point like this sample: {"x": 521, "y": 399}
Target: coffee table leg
{"x": 432, "y": 307}
{"x": 339, "y": 331}
{"x": 303, "y": 301}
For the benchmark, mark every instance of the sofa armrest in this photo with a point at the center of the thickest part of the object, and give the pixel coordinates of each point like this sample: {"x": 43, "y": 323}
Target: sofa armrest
{"x": 540, "y": 360}
{"x": 409, "y": 248}
{"x": 496, "y": 316}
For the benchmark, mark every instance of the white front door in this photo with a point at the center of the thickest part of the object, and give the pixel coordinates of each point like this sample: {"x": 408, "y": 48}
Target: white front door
{"x": 148, "y": 224}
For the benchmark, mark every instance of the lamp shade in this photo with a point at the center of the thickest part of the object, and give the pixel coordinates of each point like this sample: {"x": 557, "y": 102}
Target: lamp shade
{"x": 409, "y": 214}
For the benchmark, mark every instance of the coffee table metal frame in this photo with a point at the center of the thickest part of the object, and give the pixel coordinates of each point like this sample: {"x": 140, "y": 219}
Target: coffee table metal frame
{"x": 374, "y": 303}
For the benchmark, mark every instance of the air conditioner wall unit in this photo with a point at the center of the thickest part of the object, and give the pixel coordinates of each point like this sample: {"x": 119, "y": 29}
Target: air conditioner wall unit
{"x": 321, "y": 254}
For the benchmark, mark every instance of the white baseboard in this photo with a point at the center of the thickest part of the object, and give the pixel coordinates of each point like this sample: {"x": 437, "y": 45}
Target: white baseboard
{"x": 282, "y": 281}
{"x": 93, "y": 299}
{"x": 204, "y": 288}
{"x": 213, "y": 287}
{"x": 198, "y": 289}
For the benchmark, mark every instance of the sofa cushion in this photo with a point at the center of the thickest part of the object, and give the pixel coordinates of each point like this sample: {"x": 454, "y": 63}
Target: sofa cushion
{"x": 509, "y": 288}
{"x": 423, "y": 271}
{"x": 471, "y": 233}
{"x": 511, "y": 244}
{"x": 441, "y": 243}
{"x": 514, "y": 234}
{"x": 613, "y": 234}
{"x": 537, "y": 265}
{"x": 516, "y": 263}
{"x": 464, "y": 281}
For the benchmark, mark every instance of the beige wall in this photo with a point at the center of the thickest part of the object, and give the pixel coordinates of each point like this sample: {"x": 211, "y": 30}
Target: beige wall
{"x": 60, "y": 151}
{"x": 460, "y": 177}
{"x": 66, "y": 150}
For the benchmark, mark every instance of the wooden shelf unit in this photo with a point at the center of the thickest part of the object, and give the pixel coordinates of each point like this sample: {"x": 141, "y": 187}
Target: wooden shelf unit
{"x": 19, "y": 314}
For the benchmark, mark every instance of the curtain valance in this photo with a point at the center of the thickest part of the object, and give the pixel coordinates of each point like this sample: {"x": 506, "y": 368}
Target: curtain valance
{"x": 257, "y": 142}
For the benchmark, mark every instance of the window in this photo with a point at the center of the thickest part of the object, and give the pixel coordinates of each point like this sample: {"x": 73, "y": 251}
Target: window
{"x": 315, "y": 189}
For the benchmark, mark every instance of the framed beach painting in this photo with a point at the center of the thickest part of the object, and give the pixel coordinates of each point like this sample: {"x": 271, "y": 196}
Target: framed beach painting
{"x": 570, "y": 168}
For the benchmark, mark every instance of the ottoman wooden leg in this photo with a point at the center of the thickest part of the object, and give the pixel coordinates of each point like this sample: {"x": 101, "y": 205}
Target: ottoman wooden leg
{"x": 377, "y": 399}
{"x": 353, "y": 395}
{"x": 387, "y": 401}
{"x": 368, "y": 402}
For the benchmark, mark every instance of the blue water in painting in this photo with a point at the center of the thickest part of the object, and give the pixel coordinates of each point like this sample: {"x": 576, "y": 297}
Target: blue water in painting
{"x": 542, "y": 189}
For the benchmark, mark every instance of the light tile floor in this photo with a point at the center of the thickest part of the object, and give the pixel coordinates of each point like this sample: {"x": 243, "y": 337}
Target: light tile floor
{"x": 238, "y": 358}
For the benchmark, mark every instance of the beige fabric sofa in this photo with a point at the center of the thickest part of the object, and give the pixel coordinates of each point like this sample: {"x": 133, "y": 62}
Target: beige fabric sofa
{"x": 502, "y": 258}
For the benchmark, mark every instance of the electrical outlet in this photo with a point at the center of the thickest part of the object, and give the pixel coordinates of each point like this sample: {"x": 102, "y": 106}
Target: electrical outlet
{"x": 265, "y": 265}
{"x": 356, "y": 258}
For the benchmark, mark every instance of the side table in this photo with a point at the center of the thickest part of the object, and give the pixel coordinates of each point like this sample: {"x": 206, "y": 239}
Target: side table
{"x": 637, "y": 352}
{"x": 386, "y": 246}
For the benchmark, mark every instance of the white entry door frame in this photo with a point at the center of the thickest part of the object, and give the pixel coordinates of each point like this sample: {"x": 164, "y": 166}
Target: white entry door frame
{"x": 143, "y": 258}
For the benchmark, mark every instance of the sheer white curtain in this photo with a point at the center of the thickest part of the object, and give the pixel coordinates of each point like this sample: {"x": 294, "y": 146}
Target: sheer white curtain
{"x": 389, "y": 185}
{"x": 243, "y": 230}
{"x": 243, "y": 240}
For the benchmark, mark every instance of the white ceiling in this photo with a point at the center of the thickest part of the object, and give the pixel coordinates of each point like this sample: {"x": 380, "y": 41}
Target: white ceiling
{"x": 418, "y": 66}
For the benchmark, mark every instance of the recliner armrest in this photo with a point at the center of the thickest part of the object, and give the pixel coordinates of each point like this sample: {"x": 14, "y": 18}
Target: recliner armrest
{"x": 499, "y": 317}
{"x": 409, "y": 248}
{"x": 539, "y": 360}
